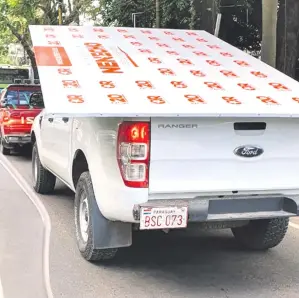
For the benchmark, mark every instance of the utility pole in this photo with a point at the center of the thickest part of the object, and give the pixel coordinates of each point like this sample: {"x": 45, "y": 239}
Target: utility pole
{"x": 60, "y": 12}
{"x": 157, "y": 13}
{"x": 269, "y": 31}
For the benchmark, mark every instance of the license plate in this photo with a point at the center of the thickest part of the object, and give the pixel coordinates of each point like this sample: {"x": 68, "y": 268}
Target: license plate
{"x": 154, "y": 218}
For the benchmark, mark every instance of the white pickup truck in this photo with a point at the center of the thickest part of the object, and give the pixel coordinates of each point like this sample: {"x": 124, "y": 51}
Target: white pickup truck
{"x": 229, "y": 160}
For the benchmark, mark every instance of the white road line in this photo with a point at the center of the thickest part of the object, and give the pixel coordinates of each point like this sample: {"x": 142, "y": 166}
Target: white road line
{"x": 44, "y": 215}
{"x": 293, "y": 225}
{"x": 1, "y": 289}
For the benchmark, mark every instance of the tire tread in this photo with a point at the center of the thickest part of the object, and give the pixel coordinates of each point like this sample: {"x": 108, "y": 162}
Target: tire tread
{"x": 45, "y": 182}
{"x": 262, "y": 234}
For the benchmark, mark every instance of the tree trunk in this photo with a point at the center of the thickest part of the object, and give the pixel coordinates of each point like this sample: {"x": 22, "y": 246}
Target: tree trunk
{"x": 269, "y": 31}
{"x": 287, "y": 37}
{"x": 26, "y": 47}
{"x": 210, "y": 8}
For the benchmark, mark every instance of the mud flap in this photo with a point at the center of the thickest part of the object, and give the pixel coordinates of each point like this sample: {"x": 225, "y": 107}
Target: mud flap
{"x": 109, "y": 234}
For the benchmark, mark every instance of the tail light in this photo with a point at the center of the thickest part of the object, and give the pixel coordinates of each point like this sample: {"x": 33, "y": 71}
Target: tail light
{"x": 133, "y": 144}
{"x": 6, "y": 116}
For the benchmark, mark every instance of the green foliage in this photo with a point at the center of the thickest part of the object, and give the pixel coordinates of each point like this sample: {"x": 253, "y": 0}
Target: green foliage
{"x": 241, "y": 24}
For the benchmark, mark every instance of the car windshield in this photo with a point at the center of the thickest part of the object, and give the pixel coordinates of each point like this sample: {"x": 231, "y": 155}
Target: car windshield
{"x": 18, "y": 97}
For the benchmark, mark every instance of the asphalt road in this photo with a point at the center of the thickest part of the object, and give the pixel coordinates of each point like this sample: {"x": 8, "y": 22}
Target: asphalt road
{"x": 179, "y": 264}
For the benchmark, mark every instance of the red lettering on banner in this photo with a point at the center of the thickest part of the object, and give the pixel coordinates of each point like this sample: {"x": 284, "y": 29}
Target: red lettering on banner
{"x": 191, "y": 33}
{"x": 200, "y": 54}
{"x": 103, "y": 36}
{"x": 226, "y": 54}
{"x": 129, "y": 36}
{"x": 178, "y": 84}
{"x": 163, "y": 45}
{"x": 75, "y": 98}
{"x": 156, "y": 99}
{"x": 296, "y": 99}
{"x": 168, "y": 33}
{"x": 213, "y": 62}
{"x": 98, "y": 30}
{"x": 117, "y": 98}
{"x": 279, "y": 86}
{"x": 267, "y": 100}
{"x": 213, "y": 85}
{"x": 241, "y": 63}
{"x": 153, "y": 38}
{"x": 215, "y": 47}
{"x": 188, "y": 46}
{"x": 103, "y": 58}
{"x": 197, "y": 73}
{"x": 77, "y": 36}
{"x": 178, "y": 39}
{"x": 258, "y": 74}
{"x": 122, "y": 30}
{"x": 201, "y": 40}
{"x": 146, "y": 31}
{"x": 144, "y": 84}
{"x": 107, "y": 84}
{"x": 231, "y": 100}
{"x": 172, "y": 53}
{"x": 229, "y": 73}
{"x": 154, "y": 60}
{"x": 185, "y": 61}
{"x": 70, "y": 84}
{"x": 54, "y": 43}
{"x": 136, "y": 43}
{"x": 145, "y": 51}
{"x": 73, "y": 29}
{"x": 246, "y": 86}
{"x": 50, "y": 36}
{"x": 64, "y": 71}
{"x": 166, "y": 71}
{"x": 195, "y": 99}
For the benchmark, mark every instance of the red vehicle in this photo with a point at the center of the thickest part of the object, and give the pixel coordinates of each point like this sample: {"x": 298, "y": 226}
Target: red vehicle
{"x": 17, "y": 115}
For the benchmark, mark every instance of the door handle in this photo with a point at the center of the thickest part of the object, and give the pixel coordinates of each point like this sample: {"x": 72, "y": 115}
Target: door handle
{"x": 65, "y": 119}
{"x": 51, "y": 119}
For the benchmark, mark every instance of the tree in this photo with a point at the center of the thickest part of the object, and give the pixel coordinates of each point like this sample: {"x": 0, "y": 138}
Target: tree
{"x": 287, "y": 37}
{"x": 17, "y": 15}
{"x": 241, "y": 24}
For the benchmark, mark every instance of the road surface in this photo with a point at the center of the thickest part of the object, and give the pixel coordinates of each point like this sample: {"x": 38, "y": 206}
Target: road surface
{"x": 180, "y": 264}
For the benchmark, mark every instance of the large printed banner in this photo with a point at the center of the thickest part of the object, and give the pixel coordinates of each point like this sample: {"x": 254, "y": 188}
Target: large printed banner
{"x": 110, "y": 71}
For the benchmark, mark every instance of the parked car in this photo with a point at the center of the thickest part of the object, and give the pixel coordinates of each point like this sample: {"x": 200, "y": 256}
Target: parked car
{"x": 17, "y": 115}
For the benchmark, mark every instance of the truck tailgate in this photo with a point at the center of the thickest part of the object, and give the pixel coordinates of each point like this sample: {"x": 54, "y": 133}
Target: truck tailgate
{"x": 20, "y": 120}
{"x": 199, "y": 155}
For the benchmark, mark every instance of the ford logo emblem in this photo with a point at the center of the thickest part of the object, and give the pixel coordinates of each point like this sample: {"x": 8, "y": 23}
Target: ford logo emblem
{"x": 248, "y": 151}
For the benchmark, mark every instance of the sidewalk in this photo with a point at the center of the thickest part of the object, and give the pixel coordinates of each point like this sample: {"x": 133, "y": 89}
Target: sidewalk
{"x": 21, "y": 242}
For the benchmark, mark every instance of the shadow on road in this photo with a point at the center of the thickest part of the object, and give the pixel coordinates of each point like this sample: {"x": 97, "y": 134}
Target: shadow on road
{"x": 202, "y": 260}
{"x": 178, "y": 264}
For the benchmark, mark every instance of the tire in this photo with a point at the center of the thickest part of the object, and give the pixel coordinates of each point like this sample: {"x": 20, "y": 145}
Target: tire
{"x": 26, "y": 150}
{"x": 43, "y": 180}
{"x": 262, "y": 234}
{"x": 5, "y": 151}
{"x": 84, "y": 202}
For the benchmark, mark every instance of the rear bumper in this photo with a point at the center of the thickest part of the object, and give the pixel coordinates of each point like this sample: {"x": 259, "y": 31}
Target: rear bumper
{"x": 14, "y": 139}
{"x": 205, "y": 209}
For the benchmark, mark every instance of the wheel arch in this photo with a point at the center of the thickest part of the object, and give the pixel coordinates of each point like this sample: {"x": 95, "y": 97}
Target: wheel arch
{"x": 79, "y": 166}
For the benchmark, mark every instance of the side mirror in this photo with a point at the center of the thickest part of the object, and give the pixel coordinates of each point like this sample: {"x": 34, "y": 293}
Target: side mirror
{"x": 36, "y": 100}
{"x": 3, "y": 103}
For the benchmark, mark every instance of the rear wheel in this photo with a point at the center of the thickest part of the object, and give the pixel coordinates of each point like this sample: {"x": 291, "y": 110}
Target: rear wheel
{"x": 43, "y": 180}
{"x": 4, "y": 150}
{"x": 84, "y": 202}
{"x": 262, "y": 234}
